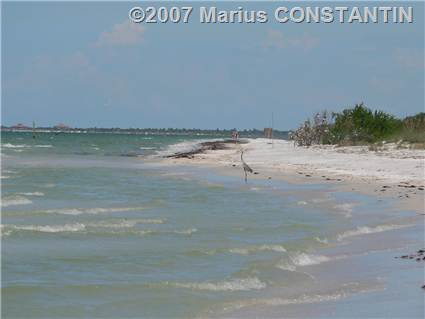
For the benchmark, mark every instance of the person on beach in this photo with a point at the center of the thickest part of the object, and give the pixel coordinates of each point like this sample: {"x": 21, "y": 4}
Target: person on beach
{"x": 235, "y": 136}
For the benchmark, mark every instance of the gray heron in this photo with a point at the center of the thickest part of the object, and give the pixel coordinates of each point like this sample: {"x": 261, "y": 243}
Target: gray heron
{"x": 246, "y": 168}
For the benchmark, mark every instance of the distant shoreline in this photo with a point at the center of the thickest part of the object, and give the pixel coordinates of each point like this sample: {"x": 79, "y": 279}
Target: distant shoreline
{"x": 148, "y": 131}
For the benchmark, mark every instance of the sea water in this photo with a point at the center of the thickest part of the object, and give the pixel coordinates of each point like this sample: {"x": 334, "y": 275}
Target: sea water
{"x": 95, "y": 225}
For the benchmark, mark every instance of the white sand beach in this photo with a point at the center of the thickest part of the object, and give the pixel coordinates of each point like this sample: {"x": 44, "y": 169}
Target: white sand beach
{"x": 389, "y": 171}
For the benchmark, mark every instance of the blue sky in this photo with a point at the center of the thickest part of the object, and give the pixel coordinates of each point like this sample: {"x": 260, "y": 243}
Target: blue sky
{"x": 85, "y": 64}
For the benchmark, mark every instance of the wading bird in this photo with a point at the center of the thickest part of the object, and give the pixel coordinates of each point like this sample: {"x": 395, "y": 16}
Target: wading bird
{"x": 246, "y": 168}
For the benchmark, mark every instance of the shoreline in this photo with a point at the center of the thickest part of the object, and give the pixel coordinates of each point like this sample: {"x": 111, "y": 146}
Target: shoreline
{"x": 385, "y": 261}
{"x": 390, "y": 174}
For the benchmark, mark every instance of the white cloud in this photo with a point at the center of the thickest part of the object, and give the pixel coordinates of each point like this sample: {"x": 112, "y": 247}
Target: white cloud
{"x": 277, "y": 39}
{"x": 122, "y": 34}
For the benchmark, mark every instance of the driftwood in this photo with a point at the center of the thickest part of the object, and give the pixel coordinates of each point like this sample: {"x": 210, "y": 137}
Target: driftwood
{"x": 206, "y": 146}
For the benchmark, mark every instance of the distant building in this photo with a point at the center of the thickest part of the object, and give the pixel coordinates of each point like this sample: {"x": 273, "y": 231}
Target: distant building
{"x": 20, "y": 126}
{"x": 61, "y": 126}
{"x": 268, "y": 132}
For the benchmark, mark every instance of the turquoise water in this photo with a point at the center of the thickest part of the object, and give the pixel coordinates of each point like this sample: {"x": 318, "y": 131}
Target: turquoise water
{"x": 94, "y": 226}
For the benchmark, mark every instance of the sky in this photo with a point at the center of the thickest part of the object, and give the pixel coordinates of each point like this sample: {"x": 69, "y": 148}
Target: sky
{"x": 86, "y": 65}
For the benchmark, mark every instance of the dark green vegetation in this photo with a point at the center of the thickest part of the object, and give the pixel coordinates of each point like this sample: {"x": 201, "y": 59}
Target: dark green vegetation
{"x": 360, "y": 125}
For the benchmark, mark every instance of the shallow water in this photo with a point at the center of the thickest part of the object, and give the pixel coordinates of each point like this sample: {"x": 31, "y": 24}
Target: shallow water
{"x": 89, "y": 228}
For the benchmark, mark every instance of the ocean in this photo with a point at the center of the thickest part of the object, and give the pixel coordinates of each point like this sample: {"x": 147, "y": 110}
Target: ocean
{"x": 97, "y": 225}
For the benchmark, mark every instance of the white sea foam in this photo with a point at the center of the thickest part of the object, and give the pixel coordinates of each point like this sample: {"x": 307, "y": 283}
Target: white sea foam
{"x": 346, "y": 209}
{"x": 322, "y": 241}
{"x": 48, "y": 228}
{"x": 363, "y": 230}
{"x": 14, "y": 201}
{"x": 9, "y": 145}
{"x": 302, "y": 202}
{"x": 286, "y": 266}
{"x": 240, "y": 251}
{"x": 78, "y": 227}
{"x": 150, "y": 221}
{"x": 125, "y": 223}
{"x": 345, "y": 291}
{"x": 113, "y": 224}
{"x": 32, "y": 194}
{"x": 96, "y": 210}
{"x": 189, "y": 231}
{"x": 303, "y": 259}
{"x": 147, "y": 148}
{"x": 4, "y": 176}
{"x": 4, "y": 232}
{"x": 303, "y": 299}
{"x": 243, "y": 284}
{"x": 320, "y": 200}
{"x": 254, "y": 249}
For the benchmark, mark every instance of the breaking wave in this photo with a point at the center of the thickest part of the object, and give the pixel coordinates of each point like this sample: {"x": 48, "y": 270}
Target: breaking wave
{"x": 243, "y": 284}
{"x": 14, "y": 201}
{"x": 303, "y": 259}
{"x": 362, "y": 230}
{"x": 147, "y": 148}
{"x": 9, "y": 145}
{"x": 254, "y": 249}
{"x": 189, "y": 231}
{"x": 105, "y": 227}
{"x": 324, "y": 241}
{"x": 32, "y": 194}
{"x": 45, "y": 229}
{"x": 346, "y": 290}
{"x": 345, "y": 209}
{"x": 125, "y": 223}
{"x": 286, "y": 266}
{"x": 96, "y": 210}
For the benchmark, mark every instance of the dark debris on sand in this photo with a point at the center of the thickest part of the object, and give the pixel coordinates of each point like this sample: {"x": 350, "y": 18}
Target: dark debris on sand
{"x": 206, "y": 146}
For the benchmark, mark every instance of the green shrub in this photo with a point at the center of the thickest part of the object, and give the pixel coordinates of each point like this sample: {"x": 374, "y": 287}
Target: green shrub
{"x": 360, "y": 124}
